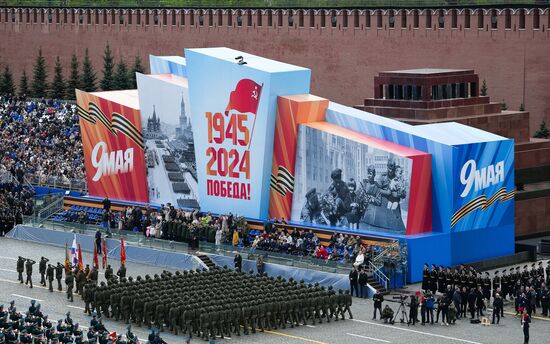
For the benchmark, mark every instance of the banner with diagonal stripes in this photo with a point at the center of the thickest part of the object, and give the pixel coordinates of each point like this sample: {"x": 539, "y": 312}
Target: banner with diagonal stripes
{"x": 283, "y": 183}
{"x": 118, "y": 123}
{"x": 481, "y": 202}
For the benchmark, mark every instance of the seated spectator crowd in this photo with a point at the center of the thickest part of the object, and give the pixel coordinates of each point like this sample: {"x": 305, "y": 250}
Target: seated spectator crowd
{"x": 15, "y": 200}
{"x": 192, "y": 226}
{"x": 40, "y": 139}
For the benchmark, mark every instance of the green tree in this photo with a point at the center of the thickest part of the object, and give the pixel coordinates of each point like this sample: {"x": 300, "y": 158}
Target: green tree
{"x": 484, "y": 88}
{"x": 122, "y": 77}
{"x": 108, "y": 82}
{"x": 40, "y": 76}
{"x": 503, "y": 105}
{"x": 88, "y": 74}
{"x": 74, "y": 78}
{"x": 57, "y": 88}
{"x": 136, "y": 68}
{"x": 542, "y": 132}
{"x": 6, "y": 82}
{"x": 24, "y": 85}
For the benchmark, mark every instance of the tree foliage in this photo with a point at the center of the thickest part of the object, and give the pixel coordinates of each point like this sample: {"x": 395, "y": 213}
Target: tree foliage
{"x": 136, "y": 68}
{"x": 542, "y": 132}
{"x": 89, "y": 78}
{"x": 108, "y": 81}
{"x": 24, "y": 84}
{"x": 58, "y": 88}
{"x": 74, "y": 78}
{"x": 40, "y": 76}
{"x": 484, "y": 89}
{"x": 122, "y": 77}
{"x": 7, "y": 85}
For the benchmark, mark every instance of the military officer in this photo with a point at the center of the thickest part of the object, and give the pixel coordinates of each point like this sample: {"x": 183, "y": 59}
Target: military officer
{"x": 50, "y": 277}
{"x": 59, "y": 275}
{"x": 20, "y": 268}
{"x": 69, "y": 281}
{"x": 28, "y": 267}
{"x": 42, "y": 269}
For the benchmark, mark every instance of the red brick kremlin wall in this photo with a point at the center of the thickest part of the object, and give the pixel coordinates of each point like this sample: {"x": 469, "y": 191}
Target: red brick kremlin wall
{"x": 509, "y": 47}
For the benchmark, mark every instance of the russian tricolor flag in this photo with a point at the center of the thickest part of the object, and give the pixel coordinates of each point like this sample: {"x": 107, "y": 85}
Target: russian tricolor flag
{"x": 74, "y": 253}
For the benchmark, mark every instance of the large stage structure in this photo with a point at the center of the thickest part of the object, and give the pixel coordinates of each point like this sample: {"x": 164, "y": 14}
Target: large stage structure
{"x": 264, "y": 147}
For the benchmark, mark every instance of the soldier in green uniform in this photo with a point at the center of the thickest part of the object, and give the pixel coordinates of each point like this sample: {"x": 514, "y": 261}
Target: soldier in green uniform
{"x": 341, "y": 298}
{"x": 137, "y": 309}
{"x": 204, "y": 317}
{"x": 125, "y": 306}
{"x": 80, "y": 281}
{"x": 347, "y": 304}
{"x": 121, "y": 273}
{"x": 87, "y": 298}
{"x": 105, "y": 300}
{"x": 69, "y": 281}
{"x": 28, "y": 267}
{"x": 20, "y": 268}
{"x": 108, "y": 272}
{"x": 42, "y": 270}
{"x": 50, "y": 277}
{"x": 115, "y": 303}
{"x": 97, "y": 300}
{"x": 59, "y": 275}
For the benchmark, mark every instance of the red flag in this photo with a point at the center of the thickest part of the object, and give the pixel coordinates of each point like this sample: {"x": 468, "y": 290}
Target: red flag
{"x": 104, "y": 258}
{"x": 245, "y": 97}
{"x": 67, "y": 260}
{"x": 122, "y": 252}
{"x": 80, "y": 261}
{"x": 96, "y": 260}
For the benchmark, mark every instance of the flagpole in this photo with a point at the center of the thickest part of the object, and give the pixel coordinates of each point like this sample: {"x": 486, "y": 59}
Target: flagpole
{"x": 255, "y": 115}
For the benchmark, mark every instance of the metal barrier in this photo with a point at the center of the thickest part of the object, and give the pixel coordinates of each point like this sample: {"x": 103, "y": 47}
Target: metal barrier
{"x": 263, "y": 3}
{"x": 58, "y": 183}
{"x": 379, "y": 276}
{"x": 43, "y": 211}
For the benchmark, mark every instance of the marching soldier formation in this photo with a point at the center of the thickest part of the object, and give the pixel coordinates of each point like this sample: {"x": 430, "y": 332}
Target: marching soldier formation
{"x": 469, "y": 290}
{"x": 214, "y": 302}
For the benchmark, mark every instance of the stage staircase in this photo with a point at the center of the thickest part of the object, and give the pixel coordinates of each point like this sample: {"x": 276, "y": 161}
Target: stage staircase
{"x": 206, "y": 260}
{"x": 373, "y": 282}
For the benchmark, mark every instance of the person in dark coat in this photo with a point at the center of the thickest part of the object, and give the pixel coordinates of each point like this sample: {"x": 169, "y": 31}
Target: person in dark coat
{"x": 480, "y": 303}
{"x": 378, "y": 298}
{"x": 426, "y": 278}
{"x": 238, "y": 260}
{"x": 363, "y": 279}
{"x": 497, "y": 307}
{"x": 98, "y": 241}
{"x": 525, "y": 323}
{"x": 472, "y": 297}
{"x": 353, "y": 281}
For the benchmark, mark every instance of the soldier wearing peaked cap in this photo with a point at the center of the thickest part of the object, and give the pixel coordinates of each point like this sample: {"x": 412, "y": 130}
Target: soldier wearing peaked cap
{"x": 497, "y": 282}
{"x": 486, "y": 286}
{"x": 50, "y": 277}
{"x": 59, "y": 275}
{"x": 441, "y": 278}
{"x": 525, "y": 276}
{"x": 42, "y": 269}
{"x": 426, "y": 278}
{"x": 20, "y": 268}
{"x": 28, "y": 267}
{"x": 433, "y": 279}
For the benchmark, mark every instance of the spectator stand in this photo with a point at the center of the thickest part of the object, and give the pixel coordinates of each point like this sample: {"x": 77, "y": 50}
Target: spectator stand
{"x": 383, "y": 254}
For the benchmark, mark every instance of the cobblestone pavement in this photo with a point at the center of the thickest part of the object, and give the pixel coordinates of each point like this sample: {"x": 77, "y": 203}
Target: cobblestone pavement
{"x": 359, "y": 330}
